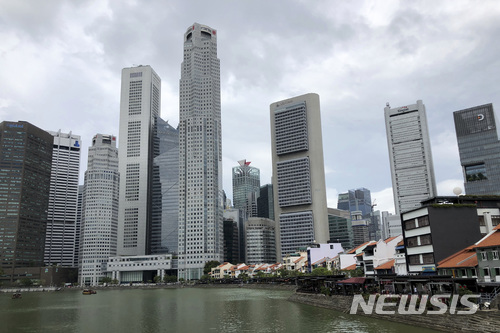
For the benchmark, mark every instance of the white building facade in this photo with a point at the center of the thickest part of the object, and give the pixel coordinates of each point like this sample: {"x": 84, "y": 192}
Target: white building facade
{"x": 99, "y": 232}
{"x": 260, "y": 241}
{"x": 410, "y": 156}
{"x": 200, "y": 154}
{"x": 139, "y": 108}
{"x": 60, "y": 237}
{"x": 298, "y": 173}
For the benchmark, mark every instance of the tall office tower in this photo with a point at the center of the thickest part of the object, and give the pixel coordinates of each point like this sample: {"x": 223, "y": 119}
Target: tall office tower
{"x": 391, "y": 225}
{"x": 410, "y": 156}
{"x": 479, "y": 149}
{"x": 25, "y": 162}
{"x": 246, "y": 187}
{"x": 356, "y": 200}
{"x": 231, "y": 241}
{"x": 298, "y": 174}
{"x": 265, "y": 202}
{"x": 78, "y": 238}
{"x": 99, "y": 236}
{"x": 60, "y": 238}
{"x": 339, "y": 224}
{"x": 139, "y": 108}
{"x": 164, "y": 235}
{"x": 200, "y": 156}
{"x": 246, "y": 183}
{"x": 360, "y": 229}
{"x": 260, "y": 240}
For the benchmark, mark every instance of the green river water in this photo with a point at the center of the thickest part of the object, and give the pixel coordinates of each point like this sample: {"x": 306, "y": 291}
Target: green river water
{"x": 178, "y": 310}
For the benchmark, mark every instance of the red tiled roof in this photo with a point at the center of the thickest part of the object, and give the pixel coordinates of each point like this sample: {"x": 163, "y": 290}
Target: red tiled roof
{"x": 463, "y": 258}
{"x": 491, "y": 240}
{"x": 359, "y": 254}
{"x": 401, "y": 243}
{"x": 390, "y": 239}
{"x": 386, "y": 265}
{"x": 300, "y": 258}
{"x": 360, "y": 246}
{"x": 349, "y": 268}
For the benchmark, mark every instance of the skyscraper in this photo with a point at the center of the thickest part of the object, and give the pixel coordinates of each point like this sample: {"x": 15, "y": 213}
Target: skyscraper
{"x": 25, "y": 163}
{"x": 99, "y": 232}
{"x": 356, "y": 200}
{"x": 139, "y": 108}
{"x": 60, "y": 238}
{"x": 260, "y": 239}
{"x": 339, "y": 223}
{"x": 200, "y": 154}
{"x": 164, "y": 236}
{"x": 246, "y": 188}
{"x": 410, "y": 155}
{"x": 479, "y": 149}
{"x": 298, "y": 174}
{"x": 265, "y": 202}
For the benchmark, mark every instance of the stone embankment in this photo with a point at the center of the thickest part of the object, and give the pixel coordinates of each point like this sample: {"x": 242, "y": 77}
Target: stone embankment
{"x": 482, "y": 321}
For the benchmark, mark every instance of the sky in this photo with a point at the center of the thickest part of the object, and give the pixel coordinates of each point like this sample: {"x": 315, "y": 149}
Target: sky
{"x": 61, "y": 62}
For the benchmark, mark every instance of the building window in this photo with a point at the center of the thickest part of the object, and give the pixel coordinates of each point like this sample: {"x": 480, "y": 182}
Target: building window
{"x": 495, "y": 220}
{"x": 497, "y": 271}
{"x": 423, "y": 221}
{"x": 494, "y": 254}
{"x": 475, "y": 172}
{"x": 483, "y": 256}
{"x": 486, "y": 272}
{"x": 428, "y": 258}
{"x": 473, "y": 272}
{"x": 481, "y": 221}
{"x": 410, "y": 224}
{"x": 425, "y": 240}
{"x": 412, "y": 241}
{"x": 414, "y": 260}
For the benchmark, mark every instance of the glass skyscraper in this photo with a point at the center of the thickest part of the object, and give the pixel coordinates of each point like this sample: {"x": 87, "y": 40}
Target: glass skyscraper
{"x": 479, "y": 149}
{"x": 356, "y": 200}
{"x": 200, "y": 154}
{"x": 25, "y": 163}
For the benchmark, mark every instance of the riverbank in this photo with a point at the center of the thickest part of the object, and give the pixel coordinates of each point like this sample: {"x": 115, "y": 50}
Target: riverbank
{"x": 481, "y": 321}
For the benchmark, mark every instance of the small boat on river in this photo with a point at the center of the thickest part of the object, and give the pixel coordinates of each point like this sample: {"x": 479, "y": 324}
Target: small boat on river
{"x": 89, "y": 292}
{"x": 16, "y": 295}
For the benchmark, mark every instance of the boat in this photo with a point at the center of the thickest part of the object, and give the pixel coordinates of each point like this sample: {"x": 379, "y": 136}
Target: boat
{"x": 16, "y": 295}
{"x": 89, "y": 292}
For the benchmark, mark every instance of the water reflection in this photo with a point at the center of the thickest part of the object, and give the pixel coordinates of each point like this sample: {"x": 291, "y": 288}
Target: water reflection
{"x": 178, "y": 310}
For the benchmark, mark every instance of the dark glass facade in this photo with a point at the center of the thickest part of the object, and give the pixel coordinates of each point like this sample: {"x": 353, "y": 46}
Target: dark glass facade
{"x": 479, "y": 149}
{"x": 25, "y": 167}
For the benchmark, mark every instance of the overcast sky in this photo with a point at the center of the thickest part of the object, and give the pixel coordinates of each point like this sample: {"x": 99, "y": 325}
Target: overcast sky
{"x": 61, "y": 61}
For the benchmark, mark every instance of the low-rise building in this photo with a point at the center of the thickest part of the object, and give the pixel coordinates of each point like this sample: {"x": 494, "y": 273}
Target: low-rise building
{"x": 127, "y": 269}
{"x": 322, "y": 251}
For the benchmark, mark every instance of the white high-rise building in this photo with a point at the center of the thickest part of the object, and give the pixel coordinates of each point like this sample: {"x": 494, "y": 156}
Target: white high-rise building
{"x": 200, "y": 154}
{"x": 298, "y": 174}
{"x": 60, "y": 237}
{"x": 410, "y": 156}
{"x": 99, "y": 232}
{"x": 139, "y": 108}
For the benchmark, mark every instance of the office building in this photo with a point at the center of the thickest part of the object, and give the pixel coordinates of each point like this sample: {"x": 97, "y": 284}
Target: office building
{"x": 25, "y": 163}
{"x": 265, "y": 202}
{"x": 99, "y": 232}
{"x": 391, "y": 225}
{"x": 60, "y": 237}
{"x": 200, "y": 158}
{"x": 360, "y": 228}
{"x": 298, "y": 174}
{"x": 246, "y": 187}
{"x": 139, "y": 108}
{"x": 231, "y": 241}
{"x": 164, "y": 235}
{"x": 356, "y": 200}
{"x": 260, "y": 240}
{"x": 340, "y": 228}
{"x": 410, "y": 155}
{"x": 479, "y": 149}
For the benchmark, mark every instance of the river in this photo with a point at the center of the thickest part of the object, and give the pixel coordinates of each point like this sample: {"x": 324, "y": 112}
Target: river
{"x": 178, "y": 310}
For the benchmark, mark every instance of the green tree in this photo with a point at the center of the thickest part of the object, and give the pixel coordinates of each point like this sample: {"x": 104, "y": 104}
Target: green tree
{"x": 106, "y": 279}
{"x": 209, "y": 265}
{"x": 26, "y": 282}
{"x": 320, "y": 271}
{"x": 170, "y": 278}
{"x": 115, "y": 281}
{"x": 157, "y": 279}
{"x": 358, "y": 272}
{"x": 283, "y": 272}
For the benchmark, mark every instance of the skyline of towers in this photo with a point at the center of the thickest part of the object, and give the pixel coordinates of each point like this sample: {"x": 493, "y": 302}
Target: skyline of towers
{"x": 410, "y": 155}
{"x": 60, "y": 238}
{"x": 200, "y": 157}
{"x": 26, "y": 163}
{"x": 479, "y": 149}
{"x": 139, "y": 107}
{"x": 99, "y": 231}
{"x": 298, "y": 173}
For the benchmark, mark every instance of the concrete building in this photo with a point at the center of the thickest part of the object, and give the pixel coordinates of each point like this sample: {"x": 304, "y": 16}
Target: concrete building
{"x": 139, "y": 108}
{"x": 379, "y": 253}
{"x": 360, "y": 229}
{"x": 320, "y": 252}
{"x": 99, "y": 232}
{"x": 410, "y": 156}
{"x": 437, "y": 230}
{"x": 265, "y": 202}
{"x": 165, "y": 221}
{"x": 339, "y": 225}
{"x": 60, "y": 237}
{"x": 260, "y": 240}
{"x": 298, "y": 173}
{"x": 391, "y": 225}
{"x": 479, "y": 149}
{"x": 25, "y": 163}
{"x": 139, "y": 269}
{"x": 231, "y": 241}
{"x": 200, "y": 145}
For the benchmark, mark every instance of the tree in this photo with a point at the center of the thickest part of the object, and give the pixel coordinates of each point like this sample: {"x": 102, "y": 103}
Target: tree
{"x": 157, "y": 279}
{"x": 26, "y": 282}
{"x": 169, "y": 278}
{"x": 358, "y": 272}
{"x": 209, "y": 265}
{"x": 320, "y": 271}
{"x": 115, "y": 281}
{"x": 106, "y": 279}
{"x": 283, "y": 272}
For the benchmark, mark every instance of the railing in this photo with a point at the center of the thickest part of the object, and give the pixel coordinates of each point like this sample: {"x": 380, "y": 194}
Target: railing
{"x": 488, "y": 297}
